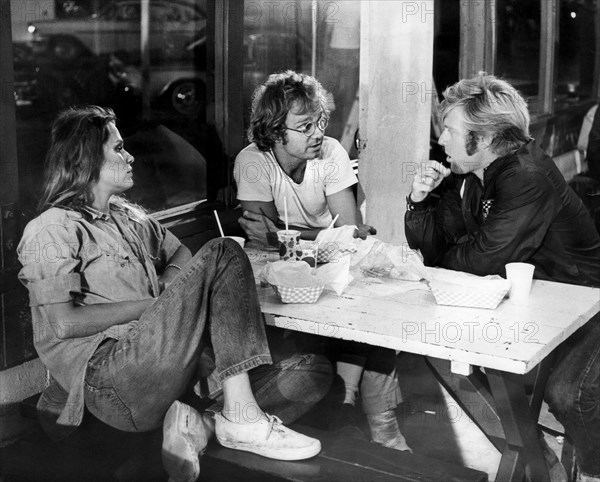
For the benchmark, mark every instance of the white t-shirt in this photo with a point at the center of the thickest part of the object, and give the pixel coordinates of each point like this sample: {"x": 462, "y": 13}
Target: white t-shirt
{"x": 260, "y": 178}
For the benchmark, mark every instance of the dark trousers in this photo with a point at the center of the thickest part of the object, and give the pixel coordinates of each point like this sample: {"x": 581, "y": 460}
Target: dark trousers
{"x": 573, "y": 394}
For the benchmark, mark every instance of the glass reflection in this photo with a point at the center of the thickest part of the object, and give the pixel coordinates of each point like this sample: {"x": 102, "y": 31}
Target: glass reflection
{"x": 88, "y": 52}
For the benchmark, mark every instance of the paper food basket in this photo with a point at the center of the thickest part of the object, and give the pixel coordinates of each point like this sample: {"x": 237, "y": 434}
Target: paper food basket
{"x": 298, "y": 295}
{"x": 463, "y": 289}
{"x": 447, "y": 295}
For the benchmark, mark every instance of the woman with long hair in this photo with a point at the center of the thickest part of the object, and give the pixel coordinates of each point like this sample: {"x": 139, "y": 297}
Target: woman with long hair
{"x": 127, "y": 321}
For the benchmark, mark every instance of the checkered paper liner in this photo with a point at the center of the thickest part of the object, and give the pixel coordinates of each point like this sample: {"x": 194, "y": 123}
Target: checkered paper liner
{"x": 445, "y": 295}
{"x": 329, "y": 251}
{"x": 298, "y": 295}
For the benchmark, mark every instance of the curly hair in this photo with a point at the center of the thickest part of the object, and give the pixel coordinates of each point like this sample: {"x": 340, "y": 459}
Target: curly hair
{"x": 75, "y": 156}
{"x": 272, "y": 101}
{"x": 493, "y": 108}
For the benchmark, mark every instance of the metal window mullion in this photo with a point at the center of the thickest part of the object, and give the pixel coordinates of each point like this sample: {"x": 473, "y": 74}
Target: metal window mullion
{"x": 145, "y": 55}
{"x": 9, "y": 163}
{"x": 596, "y": 84}
{"x": 549, "y": 37}
{"x": 229, "y": 65}
{"x": 477, "y": 37}
{"x": 491, "y": 37}
{"x": 9, "y": 180}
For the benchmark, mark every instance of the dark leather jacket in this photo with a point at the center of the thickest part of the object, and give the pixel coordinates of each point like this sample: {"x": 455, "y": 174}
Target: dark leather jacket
{"x": 525, "y": 211}
{"x": 593, "y": 148}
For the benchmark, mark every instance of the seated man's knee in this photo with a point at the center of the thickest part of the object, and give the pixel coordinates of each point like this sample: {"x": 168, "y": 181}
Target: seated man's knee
{"x": 323, "y": 371}
{"x": 561, "y": 395}
{"x": 313, "y": 372}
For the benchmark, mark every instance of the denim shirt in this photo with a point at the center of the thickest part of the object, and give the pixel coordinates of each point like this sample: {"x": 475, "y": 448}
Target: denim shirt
{"x": 86, "y": 258}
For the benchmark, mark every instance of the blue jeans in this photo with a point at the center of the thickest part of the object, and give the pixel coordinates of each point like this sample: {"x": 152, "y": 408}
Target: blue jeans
{"x": 212, "y": 306}
{"x": 573, "y": 394}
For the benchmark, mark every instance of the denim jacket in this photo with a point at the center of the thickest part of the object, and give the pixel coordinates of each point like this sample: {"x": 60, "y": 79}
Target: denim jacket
{"x": 87, "y": 258}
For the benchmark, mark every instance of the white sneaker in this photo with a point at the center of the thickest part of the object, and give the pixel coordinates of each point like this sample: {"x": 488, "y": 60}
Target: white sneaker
{"x": 269, "y": 438}
{"x": 185, "y": 436}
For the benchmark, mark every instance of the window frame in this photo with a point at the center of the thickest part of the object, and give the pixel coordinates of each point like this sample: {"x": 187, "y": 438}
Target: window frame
{"x": 478, "y": 21}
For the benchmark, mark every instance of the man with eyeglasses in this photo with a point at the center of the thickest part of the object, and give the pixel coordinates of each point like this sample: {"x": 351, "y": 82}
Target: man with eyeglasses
{"x": 291, "y": 159}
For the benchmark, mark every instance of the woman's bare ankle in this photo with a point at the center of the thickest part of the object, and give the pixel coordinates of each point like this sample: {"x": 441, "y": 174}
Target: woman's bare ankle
{"x": 243, "y": 413}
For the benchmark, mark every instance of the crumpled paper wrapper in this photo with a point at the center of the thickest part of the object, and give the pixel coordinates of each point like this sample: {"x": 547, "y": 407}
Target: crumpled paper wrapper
{"x": 336, "y": 274}
{"x": 378, "y": 259}
{"x": 298, "y": 274}
{"x": 290, "y": 274}
{"x": 466, "y": 281}
{"x": 335, "y": 242}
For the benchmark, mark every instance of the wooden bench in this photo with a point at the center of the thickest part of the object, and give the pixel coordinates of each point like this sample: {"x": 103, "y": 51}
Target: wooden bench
{"x": 98, "y": 452}
{"x": 341, "y": 459}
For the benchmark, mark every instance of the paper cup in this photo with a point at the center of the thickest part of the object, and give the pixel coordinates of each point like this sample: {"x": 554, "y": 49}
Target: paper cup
{"x": 520, "y": 276}
{"x": 307, "y": 251}
{"x": 238, "y": 239}
{"x": 288, "y": 244}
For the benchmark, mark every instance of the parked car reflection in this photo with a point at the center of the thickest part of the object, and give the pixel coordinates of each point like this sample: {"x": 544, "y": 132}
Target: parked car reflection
{"x": 177, "y": 86}
{"x": 116, "y": 28}
{"x": 90, "y": 79}
{"x": 170, "y": 167}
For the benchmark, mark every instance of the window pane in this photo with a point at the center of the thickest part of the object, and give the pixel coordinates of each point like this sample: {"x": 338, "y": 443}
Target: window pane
{"x": 518, "y": 54}
{"x": 446, "y": 43}
{"x": 338, "y": 64}
{"x": 78, "y": 52}
{"x": 279, "y": 36}
{"x": 576, "y": 51}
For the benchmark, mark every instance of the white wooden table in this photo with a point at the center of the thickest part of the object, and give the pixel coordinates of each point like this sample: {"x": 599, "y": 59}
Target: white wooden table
{"x": 507, "y": 343}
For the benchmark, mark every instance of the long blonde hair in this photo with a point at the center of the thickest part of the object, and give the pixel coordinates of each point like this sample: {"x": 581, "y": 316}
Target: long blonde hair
{"x": 75, "y": 156}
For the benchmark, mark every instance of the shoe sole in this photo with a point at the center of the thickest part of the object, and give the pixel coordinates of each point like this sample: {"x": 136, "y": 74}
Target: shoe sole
{"x": 180, "y": 469}
{"x": 277, "y": 454}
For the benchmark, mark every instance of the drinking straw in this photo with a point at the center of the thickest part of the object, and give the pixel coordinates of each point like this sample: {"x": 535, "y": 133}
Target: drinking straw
{"x": 285, "y": 213}
{"x": 219, "y": 224}
{"x": 333, "y": 222}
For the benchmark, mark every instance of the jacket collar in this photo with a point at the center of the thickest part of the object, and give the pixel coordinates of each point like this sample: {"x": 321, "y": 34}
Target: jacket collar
{"x": 95, "y": 214}
{"x": 498, "y": 164}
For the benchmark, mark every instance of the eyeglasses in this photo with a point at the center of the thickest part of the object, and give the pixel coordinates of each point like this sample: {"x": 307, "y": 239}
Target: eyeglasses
{"x": 310, "y": 127}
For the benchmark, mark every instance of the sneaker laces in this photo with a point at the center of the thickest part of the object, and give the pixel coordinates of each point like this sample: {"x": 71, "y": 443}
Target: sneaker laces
{"x": 274, "y": 423}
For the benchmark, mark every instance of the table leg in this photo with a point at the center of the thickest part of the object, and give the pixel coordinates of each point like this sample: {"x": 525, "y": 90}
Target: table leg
{"x": 474, "y": 398}
{"x": 520, "y": 427}
{"x": 497, "y": 402}
{"x": 511, "y": 467}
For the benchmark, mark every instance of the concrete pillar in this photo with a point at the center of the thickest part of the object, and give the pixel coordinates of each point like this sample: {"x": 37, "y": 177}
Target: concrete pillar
{"x": 396, "y": 90}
